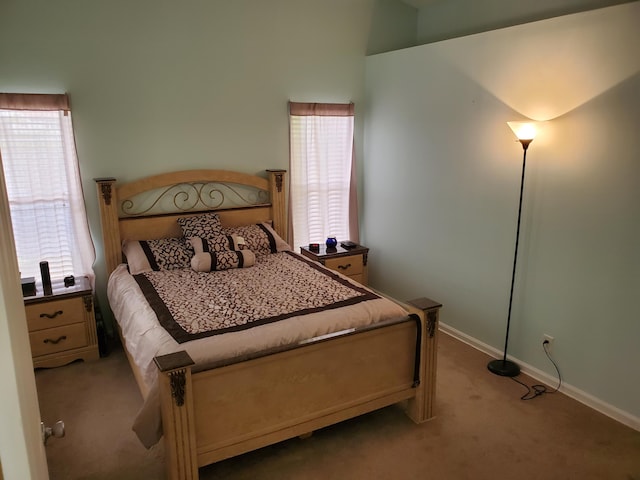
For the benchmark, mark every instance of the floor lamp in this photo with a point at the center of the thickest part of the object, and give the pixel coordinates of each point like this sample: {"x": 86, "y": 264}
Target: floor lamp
{"x": 525, "y": 132}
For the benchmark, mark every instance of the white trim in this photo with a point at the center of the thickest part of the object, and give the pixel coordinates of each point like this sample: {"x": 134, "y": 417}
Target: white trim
{"x": 21, "y": 445}
{"x": 581, "y": 396}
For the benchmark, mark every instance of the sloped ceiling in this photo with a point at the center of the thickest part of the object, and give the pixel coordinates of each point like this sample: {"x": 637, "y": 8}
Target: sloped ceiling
{"x": 418, "y": 3}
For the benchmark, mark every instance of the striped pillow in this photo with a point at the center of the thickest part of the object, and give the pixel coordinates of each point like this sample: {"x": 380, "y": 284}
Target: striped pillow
{"x": 213, "y": 261}
{"x": 220, "y": 243}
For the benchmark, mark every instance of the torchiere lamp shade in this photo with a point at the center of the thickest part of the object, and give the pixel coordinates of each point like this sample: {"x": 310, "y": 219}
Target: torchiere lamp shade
{"x": 524, "y": 131}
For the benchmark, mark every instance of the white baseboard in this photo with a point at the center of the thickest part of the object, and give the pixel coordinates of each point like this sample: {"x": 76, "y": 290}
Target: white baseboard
{"x": 581, "y": 396}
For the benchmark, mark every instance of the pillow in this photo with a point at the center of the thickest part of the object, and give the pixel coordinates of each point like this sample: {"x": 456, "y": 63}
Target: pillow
{"x": 160, "y": 254}
{"x": 212, "y": 261}
{"x": 260, "y": 238}
{"x": 206, "y": 225}
{"x": 220, "y": 243}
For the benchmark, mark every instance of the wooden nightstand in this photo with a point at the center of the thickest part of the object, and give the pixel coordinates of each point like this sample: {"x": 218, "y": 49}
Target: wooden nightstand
{"x": 62, "y": 326}
{"x": 352, "y": 262}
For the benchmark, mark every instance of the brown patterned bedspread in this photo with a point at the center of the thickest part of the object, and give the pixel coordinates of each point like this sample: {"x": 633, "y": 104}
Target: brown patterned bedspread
{"x": 191, "y": 305}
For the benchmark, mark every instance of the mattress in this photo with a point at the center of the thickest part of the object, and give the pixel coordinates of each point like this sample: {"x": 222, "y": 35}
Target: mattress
{"x": 141, "y": 320}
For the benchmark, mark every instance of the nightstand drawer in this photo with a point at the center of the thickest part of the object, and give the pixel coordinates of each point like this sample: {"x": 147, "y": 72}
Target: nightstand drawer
{"x": 351, "y": 265}
{"x": 58, "y": 339}
{"x": 351, "y": 262}
{"x": 55, "y": 313}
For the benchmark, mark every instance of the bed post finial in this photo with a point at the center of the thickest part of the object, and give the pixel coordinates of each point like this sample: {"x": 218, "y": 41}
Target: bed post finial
{"x": 420, "y": 408}
{"x": 178, "y": 423}
{"x": 278, "y": 177}
{"x": 277, "y": 190}
{"x": 107, "y": 201}
{"x": 105, "y": 188}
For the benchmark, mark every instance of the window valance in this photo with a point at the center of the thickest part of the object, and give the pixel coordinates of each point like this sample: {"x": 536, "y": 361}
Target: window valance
{"x": 34, "y": 101}
{"x": 321, "y": 109}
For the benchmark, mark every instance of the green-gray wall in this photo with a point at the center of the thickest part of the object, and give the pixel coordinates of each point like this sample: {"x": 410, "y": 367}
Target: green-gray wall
{"x": 441, "y": 187}
{"x": 160, "y": 85}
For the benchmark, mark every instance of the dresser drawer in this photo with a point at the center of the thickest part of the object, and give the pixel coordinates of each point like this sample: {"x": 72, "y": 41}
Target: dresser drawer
{"x": 55, "y": 313}
{"x": 58, "y": 339}
{"x": 350, "y": 265}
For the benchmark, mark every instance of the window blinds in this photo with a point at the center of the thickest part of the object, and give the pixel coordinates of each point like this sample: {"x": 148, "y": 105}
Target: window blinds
{"x": 48, "y": 215}
{"x": 321, "y": 163}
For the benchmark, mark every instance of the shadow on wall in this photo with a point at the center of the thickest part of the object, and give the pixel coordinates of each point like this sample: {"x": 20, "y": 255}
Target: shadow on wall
{"x": 553, "y": 73}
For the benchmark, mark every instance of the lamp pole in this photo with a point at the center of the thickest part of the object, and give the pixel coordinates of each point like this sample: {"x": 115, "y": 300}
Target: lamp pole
{"x": 504, "y": 367}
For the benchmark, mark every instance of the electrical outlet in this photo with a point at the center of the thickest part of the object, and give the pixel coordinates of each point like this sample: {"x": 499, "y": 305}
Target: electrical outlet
{"x": 549, "y": 340}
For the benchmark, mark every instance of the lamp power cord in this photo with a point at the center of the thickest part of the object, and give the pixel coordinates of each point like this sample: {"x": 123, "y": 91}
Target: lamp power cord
{"x": 534, "y": 391}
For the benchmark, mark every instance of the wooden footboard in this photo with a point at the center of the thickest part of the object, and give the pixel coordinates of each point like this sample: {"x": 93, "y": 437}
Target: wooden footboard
{"x": 240, "y": 406}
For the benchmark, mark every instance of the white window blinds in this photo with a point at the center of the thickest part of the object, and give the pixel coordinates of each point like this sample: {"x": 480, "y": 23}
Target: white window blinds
{"x": 322, "y": 191}
{"x": 48, "y": 214}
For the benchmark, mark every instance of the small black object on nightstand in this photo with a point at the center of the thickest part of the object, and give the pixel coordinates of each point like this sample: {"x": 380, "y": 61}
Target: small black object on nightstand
{"x": 28, "y": 286}
{"x": 348, "y": 244}
{"x": 46, "y": 278}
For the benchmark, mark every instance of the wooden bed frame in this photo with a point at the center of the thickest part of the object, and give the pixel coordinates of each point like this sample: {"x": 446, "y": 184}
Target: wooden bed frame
{"x": 246, "y": 403}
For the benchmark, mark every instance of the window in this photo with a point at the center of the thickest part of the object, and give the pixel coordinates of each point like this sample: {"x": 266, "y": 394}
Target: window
{"x": 322, "y": 191}
{"x": 38, "y": 155}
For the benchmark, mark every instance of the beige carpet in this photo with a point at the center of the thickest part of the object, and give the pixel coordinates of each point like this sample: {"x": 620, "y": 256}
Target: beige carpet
{"x": 482, "y": 431}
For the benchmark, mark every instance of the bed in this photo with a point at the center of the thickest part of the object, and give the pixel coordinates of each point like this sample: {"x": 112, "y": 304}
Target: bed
{"x": 211, "y": 396}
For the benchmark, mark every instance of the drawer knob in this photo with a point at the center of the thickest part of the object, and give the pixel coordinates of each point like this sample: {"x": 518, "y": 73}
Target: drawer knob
{"x": 344, "y": 267}
{"x": 51, "y": 315}
{"x": 58, "y": 340}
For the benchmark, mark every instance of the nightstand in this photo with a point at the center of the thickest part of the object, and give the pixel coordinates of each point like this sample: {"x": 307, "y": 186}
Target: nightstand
{"x": 62, "y": 326}
{"x": 351, "y": 262}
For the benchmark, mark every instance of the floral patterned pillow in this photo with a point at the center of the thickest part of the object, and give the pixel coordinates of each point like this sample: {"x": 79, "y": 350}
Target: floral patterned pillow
{"x": 160, "y": 254}
{"x": 260, "y": 238}
{"x": 205, "y": 225}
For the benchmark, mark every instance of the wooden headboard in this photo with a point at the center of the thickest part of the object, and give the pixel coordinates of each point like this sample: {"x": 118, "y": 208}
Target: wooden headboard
{"x": 138, "y": 210}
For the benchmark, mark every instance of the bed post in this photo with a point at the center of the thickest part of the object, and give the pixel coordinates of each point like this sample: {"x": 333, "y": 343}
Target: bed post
{"x": 108, "y": 203}
{"x": 178, "y": 427}
{"x": 420, "y": 408}
{"x": 278, "y": 193}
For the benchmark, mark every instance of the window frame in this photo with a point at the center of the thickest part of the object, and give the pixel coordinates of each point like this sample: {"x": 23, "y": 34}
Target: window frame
{"x": 313, "y": 152}
{"x": 54, "y": 188}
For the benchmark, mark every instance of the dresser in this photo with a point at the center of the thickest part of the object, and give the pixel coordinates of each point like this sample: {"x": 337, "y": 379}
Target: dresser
{"x": 62, "y": 326}
{"x": 351, "y": 262}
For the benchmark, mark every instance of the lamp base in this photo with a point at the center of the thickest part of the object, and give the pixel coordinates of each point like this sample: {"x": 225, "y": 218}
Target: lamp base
{"x": 505, "y": 368}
